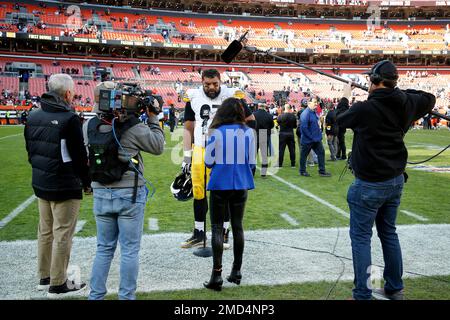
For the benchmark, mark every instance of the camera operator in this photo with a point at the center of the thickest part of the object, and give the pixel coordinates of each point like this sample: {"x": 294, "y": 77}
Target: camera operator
{"x": 54, "y": 143}
{"x": 119, "y": 186}
{"x": 378, "y": 160}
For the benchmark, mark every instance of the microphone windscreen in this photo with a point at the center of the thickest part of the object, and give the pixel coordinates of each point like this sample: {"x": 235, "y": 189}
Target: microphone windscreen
{"x": 232, "y": 51}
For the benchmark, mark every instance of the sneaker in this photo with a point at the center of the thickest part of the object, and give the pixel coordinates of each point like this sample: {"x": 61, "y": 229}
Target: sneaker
{"x": 305, "y": 174}
{"x": 226, "y": 239}
{"x": 67, "y": 289}
{"x": 44, "y": 284}
{"x": 380, "y": 294}
{"x": 196, "y": 240}
{"x": 324, "y": 174}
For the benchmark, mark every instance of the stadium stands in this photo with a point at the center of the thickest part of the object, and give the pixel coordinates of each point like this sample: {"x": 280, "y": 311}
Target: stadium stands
{"x": 9, "y": 83}
{"x": 36, "y": 86}
{"x": 323, "y": 37}
{"x": 262, "y": 85}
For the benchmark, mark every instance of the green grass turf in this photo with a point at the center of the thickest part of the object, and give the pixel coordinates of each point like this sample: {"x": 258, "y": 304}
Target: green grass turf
{"x": 425, "y": 193}
{"x": 421, "y": 288}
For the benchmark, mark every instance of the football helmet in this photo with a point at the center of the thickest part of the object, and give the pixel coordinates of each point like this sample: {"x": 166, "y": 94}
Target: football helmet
{"x": 181, "y": 187}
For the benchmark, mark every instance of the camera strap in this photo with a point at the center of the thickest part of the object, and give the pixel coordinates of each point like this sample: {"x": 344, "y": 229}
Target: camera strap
{"x": 134, "y": 162}
{"x": 136, "y": 179}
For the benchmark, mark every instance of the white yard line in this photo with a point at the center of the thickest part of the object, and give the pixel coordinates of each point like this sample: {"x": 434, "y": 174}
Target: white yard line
{"x": 153, "y": 224}
{"x": 79, "y": 226}
{"x": 313, "y": 196}
{"x": 13, "y": 135}
{"x": 414, "y": 215}
{"x": 17, "y": 211}
{"x": 289, "y": 219}
{"x": 165, "y": 266}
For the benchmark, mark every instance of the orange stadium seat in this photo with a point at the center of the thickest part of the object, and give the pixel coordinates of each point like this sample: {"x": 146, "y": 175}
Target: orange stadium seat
{"x": 10, "y": 83}
{"x": 36, "y": 86}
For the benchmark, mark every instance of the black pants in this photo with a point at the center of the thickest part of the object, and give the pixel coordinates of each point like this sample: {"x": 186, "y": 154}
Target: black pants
{"x": 341, "y": 149}
{"x": 289, "y": 140}
{"x": 220, "y": 202}
{"x": 172, "y": 125}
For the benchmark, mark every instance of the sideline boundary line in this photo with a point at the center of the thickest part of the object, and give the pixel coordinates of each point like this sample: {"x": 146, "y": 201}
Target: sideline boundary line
{"x": 17, "y": 211}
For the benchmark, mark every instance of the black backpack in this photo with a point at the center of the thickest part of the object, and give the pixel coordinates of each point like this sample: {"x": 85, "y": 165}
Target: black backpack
{"x": 105, "y": 166}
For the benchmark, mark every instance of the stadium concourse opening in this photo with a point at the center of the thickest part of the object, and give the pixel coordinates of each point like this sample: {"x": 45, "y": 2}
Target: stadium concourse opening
{"x": 298, "y": 228}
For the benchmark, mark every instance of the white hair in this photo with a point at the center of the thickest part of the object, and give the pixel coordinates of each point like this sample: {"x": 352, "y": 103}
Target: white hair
{"x": 60, "y": 83}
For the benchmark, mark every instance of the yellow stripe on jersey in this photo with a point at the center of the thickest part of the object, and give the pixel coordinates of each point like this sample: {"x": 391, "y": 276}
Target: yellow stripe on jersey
{"x": 186, "y": 98}
{"x": 239, "y": 94}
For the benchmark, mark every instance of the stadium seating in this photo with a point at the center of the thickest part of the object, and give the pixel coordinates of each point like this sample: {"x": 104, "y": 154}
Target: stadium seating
{"x": 49, "y": 69}
{"x": 123, "y": 72}
{"x": 10, "y": 83}
{"x": 172, "y": 76}
{"x": 85, "y": 88}
{"x": 320, "y": 37}
{"x": 36, "y": 86}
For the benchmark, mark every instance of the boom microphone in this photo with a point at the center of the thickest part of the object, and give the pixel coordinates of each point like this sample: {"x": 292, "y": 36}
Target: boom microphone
{"x": 233, "y": 49}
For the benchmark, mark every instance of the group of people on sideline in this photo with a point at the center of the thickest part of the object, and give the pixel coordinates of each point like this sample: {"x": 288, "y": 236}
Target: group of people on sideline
{"x": 221, "y": 139}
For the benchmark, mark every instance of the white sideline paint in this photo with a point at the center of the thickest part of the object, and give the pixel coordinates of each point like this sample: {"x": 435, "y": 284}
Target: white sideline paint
{"x": 79, "y": 226}
{"x": 289, "y": 219}
{"x": 309, "y": 194}
{"x": 153, "y": 224}
{"x": 13, "y": 135}
{"x": 17, "y": 211}
{"x": 165, "y": 266}
{"x": 414, "y": 215}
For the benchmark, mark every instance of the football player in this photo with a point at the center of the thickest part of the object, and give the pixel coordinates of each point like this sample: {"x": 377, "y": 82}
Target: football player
{"x": 201, "y": 106}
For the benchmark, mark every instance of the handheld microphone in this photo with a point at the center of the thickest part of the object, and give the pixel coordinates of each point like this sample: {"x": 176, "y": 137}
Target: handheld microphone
{"x": 233, "y": 49}
{"x": 204, "y": 112}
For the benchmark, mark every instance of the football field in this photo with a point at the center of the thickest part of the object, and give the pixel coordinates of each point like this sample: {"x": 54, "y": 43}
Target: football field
{"x": 296, "y": 229}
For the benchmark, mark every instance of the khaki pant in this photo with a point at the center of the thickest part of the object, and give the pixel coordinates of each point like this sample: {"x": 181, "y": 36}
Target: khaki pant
{"x": 57, "y": 221}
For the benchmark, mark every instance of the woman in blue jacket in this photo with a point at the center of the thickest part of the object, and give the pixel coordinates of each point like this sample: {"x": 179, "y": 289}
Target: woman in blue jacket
{"x": 230, "y": 154}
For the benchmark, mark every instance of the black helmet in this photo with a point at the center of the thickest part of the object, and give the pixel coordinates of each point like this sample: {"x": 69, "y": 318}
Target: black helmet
{"x": 181, "y": 187}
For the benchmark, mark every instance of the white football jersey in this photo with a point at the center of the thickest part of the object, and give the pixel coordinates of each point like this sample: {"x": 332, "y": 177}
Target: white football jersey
{"x": 198, "y": 99}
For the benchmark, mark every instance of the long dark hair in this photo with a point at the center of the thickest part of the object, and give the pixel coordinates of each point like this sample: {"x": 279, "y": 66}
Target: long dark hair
{"x": 231, "y": 111}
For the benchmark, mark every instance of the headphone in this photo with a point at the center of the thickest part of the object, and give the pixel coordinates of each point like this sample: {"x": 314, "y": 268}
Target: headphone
{"x": 376, "y": 78}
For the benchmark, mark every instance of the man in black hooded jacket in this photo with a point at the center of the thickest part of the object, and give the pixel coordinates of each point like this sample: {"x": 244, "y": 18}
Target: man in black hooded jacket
{"x": 379, "y": 160}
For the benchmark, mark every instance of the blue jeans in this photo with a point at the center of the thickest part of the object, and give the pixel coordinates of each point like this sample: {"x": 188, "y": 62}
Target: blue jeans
{"x": 377, "y": 202}
{"x": 305, "y": 149}
{"x": 117, "y": 218}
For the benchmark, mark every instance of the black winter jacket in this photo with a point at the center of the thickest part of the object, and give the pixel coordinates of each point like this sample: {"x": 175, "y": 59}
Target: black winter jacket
{"x": 56, "y": 151}
{"x": 379, "y": 125}
{"x": 287, "y": 123}
{"x": 331, "y": 127}
{"x": 264, "y": 120}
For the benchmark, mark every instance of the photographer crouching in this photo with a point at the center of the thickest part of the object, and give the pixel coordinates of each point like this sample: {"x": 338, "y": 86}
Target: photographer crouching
{"x": 115, "y": 138}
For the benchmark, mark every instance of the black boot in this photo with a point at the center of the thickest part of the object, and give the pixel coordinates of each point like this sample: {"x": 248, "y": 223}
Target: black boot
{"x": 235, "y": 276}
{"x": 215, "y": 283}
